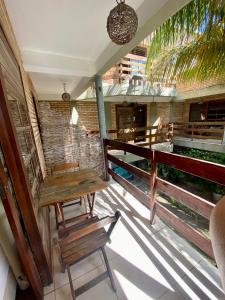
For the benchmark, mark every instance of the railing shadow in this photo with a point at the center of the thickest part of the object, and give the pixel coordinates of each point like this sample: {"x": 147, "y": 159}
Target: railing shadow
{"x": 168, "y": 260}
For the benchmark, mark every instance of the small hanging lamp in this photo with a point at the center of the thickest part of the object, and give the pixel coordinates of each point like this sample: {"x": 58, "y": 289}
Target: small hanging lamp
{"x": 65, "y": 96}
{"x": 122, "y": 23}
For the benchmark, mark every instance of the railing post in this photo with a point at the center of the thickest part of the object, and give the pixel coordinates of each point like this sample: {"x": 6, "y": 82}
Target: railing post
{"x": 153, "y": 187}
{"x": 171, "y": 132}
{"x": 106, "y": 162}
{"x": 223, "y": 141}
{"x": 150, "y": 139}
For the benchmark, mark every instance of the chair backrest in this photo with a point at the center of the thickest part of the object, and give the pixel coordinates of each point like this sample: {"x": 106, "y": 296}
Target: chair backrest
{"x": 100, "y": 223}
{"x": 66, "y": 167}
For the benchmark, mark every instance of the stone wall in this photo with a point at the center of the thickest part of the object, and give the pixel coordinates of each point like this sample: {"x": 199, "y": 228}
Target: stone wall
{"x": 178, "y": 112}
{"x": 163, "y": 112}
{"x": 186, "y": 112}
{"x": 64, "y": 141}
{"x": 172, "y": 112}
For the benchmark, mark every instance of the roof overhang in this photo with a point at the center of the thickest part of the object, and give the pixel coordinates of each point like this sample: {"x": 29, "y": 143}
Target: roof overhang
{"x": 67, "y": 41}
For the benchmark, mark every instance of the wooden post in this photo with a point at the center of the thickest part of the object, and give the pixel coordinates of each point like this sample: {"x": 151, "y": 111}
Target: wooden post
{"x": 171, "y": 132}
{"x": 153, "y": 186}
{"x": 22, "y": 244}
{"x": 150, "y": 138}
{"x": 101, "y": 114}
{"x": 223, "y": 140}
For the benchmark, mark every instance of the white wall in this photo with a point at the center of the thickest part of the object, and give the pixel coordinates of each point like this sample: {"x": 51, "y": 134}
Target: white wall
{"x": 4, "y": 268}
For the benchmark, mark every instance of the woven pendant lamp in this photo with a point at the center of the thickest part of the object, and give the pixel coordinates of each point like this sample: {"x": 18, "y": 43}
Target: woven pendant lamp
{"x": 122, "y": 23}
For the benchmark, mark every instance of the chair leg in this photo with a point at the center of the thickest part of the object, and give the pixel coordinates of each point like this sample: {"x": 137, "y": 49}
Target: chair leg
{"x": 62, "y": 215}
{"x": 56, "y": 217}
{"x": 91, "y": 202}
{"x": 108, "y": 269}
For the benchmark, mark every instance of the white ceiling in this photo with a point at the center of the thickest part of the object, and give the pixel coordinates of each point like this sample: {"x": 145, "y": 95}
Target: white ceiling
{"x": 67, "y": 41}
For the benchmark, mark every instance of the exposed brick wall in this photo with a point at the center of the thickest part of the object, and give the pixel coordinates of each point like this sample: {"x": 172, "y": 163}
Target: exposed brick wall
{"x": 186, "y": 112}
{"x": 88, "y": 114}
{"x": 173, "y": 112}
{"x": 67, "y": 142}
{"x": 163, "y": 111}
{"x": 177, "y": 112}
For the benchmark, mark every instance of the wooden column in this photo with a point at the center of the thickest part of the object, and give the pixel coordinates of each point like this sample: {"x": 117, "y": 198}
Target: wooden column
{"x": 22, "y": 245}
{"x": 101, "y": 115}
{"x": 153, "y": 186}
{"x": 14, "y": 162}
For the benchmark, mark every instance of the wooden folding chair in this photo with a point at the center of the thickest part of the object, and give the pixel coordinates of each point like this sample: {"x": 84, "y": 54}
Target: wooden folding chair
{"x": 59, "y": 169}
{"x": 89, "y": 237}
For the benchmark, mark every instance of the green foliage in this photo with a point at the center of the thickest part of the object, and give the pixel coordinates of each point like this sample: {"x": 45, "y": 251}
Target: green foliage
{"x": 176, "y": 176}
{"x": 215, "y": 157}
{"x": 191, "y": 44}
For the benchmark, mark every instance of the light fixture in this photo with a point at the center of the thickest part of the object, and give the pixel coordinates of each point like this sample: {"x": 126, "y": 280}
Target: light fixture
{"x": 65, "y": 96}
{"x": 122, "y": 23}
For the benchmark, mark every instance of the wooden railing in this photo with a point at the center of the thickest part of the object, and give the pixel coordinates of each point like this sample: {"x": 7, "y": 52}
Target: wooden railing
{"x": 205, "y": 170}
{"x": 161, "y": 133}
{"x": 149, "y": 135}
{"x": 200, "y": 130}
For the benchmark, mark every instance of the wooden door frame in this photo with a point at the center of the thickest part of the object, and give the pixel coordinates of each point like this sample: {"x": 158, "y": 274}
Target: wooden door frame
{"x": 23, "y": 248}
{"x": 132, "y": 106}
{"x": 14, "y": 161}
{"x": 145, "y": 116}
{"x": 117, "y": 116}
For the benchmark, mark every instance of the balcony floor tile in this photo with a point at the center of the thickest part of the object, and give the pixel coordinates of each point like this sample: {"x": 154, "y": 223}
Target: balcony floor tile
{"x": 148, "y": 262}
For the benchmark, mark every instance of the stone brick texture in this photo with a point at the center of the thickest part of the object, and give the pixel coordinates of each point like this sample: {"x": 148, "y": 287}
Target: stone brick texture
{"x": 67, "y": 142}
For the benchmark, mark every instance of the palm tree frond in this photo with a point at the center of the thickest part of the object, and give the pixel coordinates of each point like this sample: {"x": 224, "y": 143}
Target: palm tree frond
{"x": 191, "y": 44}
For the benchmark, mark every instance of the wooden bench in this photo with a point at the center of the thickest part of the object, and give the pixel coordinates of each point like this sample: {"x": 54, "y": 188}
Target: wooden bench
{"x": 88, "y": 237}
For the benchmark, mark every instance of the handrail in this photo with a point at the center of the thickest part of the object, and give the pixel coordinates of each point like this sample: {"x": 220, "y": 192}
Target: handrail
{"x": 152, "y": 134}
{"x": 165, "y": 132}
{"x": 200, "y": 130}
{"x": 201, "y": 123}
{"x": 143, "y": 152}
{"x": 206, "y": 170}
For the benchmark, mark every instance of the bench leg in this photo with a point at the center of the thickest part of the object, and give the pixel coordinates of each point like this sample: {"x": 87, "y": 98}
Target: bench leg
{"x": 108, "y": 269}
{"x": 71, "y": 283}
{"x": 56, "y": 217}
{"x": 91, "y": 202}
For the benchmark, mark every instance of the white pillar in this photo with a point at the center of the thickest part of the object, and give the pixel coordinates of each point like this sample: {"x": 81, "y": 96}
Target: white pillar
{"x": 101, "y": 106}
{"x": 101, "y": 117}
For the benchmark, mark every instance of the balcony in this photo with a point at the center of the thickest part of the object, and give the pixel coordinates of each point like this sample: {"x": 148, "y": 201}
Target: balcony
{"x": 148, "y": 262}
{"x": 155, "y": 253}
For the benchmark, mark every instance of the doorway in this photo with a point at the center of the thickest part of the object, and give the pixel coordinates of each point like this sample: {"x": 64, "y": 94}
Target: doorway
{"x": 130, "y": 116}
